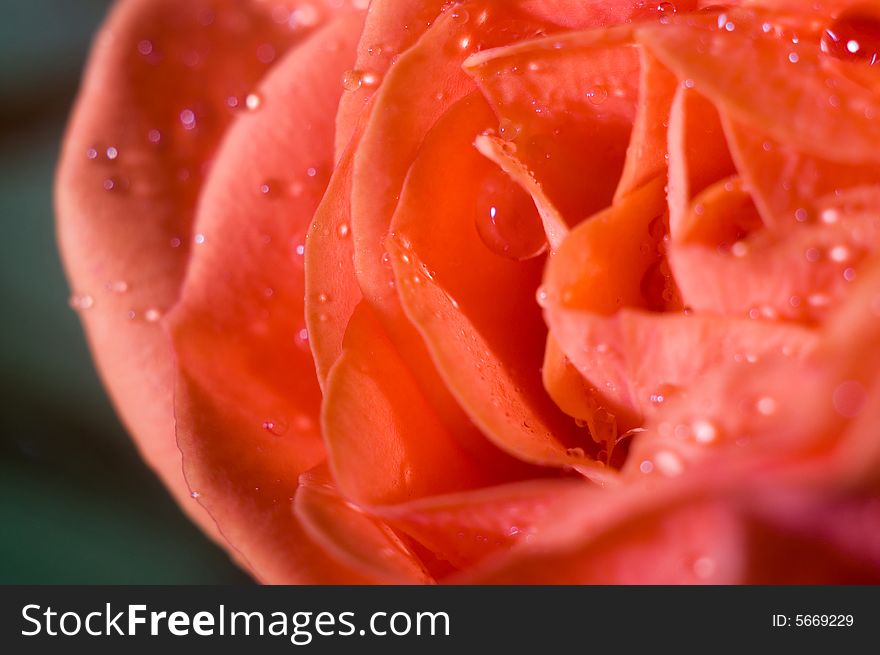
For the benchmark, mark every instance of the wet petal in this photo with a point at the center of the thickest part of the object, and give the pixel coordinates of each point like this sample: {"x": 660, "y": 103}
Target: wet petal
{"x": 371, "y": 391}
{"x": 365, "y": 543}
{"x": 247, "y": 398}
{"x": 127, "y": 189}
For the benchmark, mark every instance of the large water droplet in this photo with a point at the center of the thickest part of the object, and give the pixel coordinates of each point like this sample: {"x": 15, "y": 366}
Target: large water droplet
{"x": 506, "y": 219}
{"x": 854, "y": 35}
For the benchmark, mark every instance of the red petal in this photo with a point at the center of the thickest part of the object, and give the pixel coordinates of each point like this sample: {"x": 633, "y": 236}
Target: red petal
{"x": 352, "y": 536}
{"x": 782, "y": 88}
{"x": 698, "y": 155}
{"x": 647, "y": 151}
{"x": 331, "y": 287}
{"x": 247, "y": 399}
{"x": 127, "y": 188}
{"x": 790, "y": 186}
{"x": 446, "y": 274}
{"x": 392, "y": 26}
{"x": 466, "y": 528}
{"x": 670, "y": 535}
{"x": 372, "y": 392}
{"x": 557, "y": 103}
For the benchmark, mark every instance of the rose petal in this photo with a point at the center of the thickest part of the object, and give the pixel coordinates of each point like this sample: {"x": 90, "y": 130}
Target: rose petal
{"x": 331, "y": 287}
{"x": 466, "y": 528}
{"x": 782, "y": 88}
{"x": 558, "y": 98}
{"x": 698, "y": 155}
{"x": 672, "y": 535}
{"x": 392, "y": 26}
{"x": 646, "y": 154}
{"x": 127, "y": 189}
{"x": 788, "y": 185}
{"x": 445, "y": 272}
{"x": 247, "y": 399}
{"x": 498, "y": 151}
{"x": 371, "y": 391}
{"x": 352, "y": 536}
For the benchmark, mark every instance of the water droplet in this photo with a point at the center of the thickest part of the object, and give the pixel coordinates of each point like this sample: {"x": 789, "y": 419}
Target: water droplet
{"x": 577, "y": 453}
{"x": 506, "y": 219}
{"x": 275, "y": 426}
{"x": 668, "y": 463}
{"x": 311, "y": 171}
{"x": 152, "y": 315}
{"x": 266, "y": 53}
{"x": 154, "y": 136}
{"x": 542, "y": 296}
{"x": 666, "y": 10}
{"x": 195, "y": 494}
{"x": 253, "y": 101}
{"x": 199, "y": 238}
{"x": 84, "y": 301}
{"x": 460, "y": 16}
{"x": 92, "y": 153}
{"x": 117, "y": 286}
{"x": 508, "y": 130}
{"x": 854, "y": 35}
{"x": 839, "y": 253}
{"x": 704, "y": 432}
{"x": 175, "y": 242}
{"x": 646, "y": 466}
{"x": 597, "y": 95}
{"x": 849, "y": 274}
{"x": 112, "y": 153}
{"x": 188, "y": 119}
{"x": 323, "y": 298}
{"x": 766, "y": 406}
{"x": 343, "y": 230}
{"x": 812, "y": 255}
{"x": 351, "y": 80}
{"x": 145, "y": 47}
{"x": 848, "y": 398}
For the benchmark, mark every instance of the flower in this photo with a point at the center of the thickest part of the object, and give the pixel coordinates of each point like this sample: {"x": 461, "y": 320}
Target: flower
{"x": 536, "y": 292}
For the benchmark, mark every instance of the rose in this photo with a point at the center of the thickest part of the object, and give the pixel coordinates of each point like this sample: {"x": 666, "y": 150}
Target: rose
{"x": 588, "y": 287}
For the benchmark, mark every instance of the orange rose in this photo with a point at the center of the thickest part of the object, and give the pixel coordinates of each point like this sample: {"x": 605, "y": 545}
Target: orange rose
{"x": 529, "y": 291}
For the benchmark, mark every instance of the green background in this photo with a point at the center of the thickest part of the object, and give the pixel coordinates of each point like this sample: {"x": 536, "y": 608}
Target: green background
{"x": 76, "y": 503}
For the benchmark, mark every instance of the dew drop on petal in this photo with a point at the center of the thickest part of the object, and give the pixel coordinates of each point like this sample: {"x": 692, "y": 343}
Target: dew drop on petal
{"x": 597, "y": 95}
{"x": 152, "y": 315}
{"x": 848, "y": 398}
{"x": 188, "y": 119}
{"x": 275, "y": 426}
{"x": 253, "y": 101}
{"x": 704, "y": 432}
{"x": 195, "y": 494}
{"x": 854, "y": 35}
{"x": 506, "y": 219}
{"x": 117, "y": 286}
{"x": 84, "y": 301}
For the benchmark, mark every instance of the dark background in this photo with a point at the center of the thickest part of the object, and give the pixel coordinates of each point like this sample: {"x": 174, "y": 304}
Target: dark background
{"x": 76, "y": 503}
